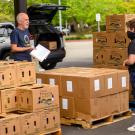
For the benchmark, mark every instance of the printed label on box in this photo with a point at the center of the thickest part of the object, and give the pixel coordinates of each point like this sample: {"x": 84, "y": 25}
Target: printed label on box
{"x": 64, "y": 103}
{"x": 96, "y": 85}
{"x": 69, "y": 86}
{"x": 52, "y": 81}
{"x": 109, "y": 83}
{"x": 39, "y": 81}
{"x": 124, "y": 82}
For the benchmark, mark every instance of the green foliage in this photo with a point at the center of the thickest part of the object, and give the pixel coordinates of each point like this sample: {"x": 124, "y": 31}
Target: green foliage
{"x": 80, "y": 11}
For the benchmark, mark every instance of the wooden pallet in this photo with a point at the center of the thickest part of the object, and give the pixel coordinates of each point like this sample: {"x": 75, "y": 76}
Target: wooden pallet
{"x": 86, "y": 124}
{"x": 55, "y": 132}
{"x": 97, "y": 122}
{"x": 122, "y": 115}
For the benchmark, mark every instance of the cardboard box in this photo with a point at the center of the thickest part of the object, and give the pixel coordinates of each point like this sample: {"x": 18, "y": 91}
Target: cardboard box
{"x": 117, "y": 56}
{"x": 87, "y": 83}
{"x": 7, "y": 76}
{"x": 69, "y": 85}
{"x": 123, "y": 80}
{"x": 50, "y": 120}
{"x": 118, "y": 22}
{"x": 119, "y": 40}
{"x": 9, "y": 100}
{"x": 67, "y": 107}
{"x": 30, "y": 123}
{"x": 90, "y": 86}
{"x": 51, "y": 45}
{"x": 26, "y": 73}
{"x": 49, "y": 78}
{"x": 10, "y": 125}
{"x": 124, "y": 101}
{"x": 101, "y": 39}
{"x": 89, "y": 111}
{"x": 84, "y": 85}
{"x": 37, "y": 97}
{"x": 100, "y": 56}
{"x": 93, "y": 109}
{"x": 115, "y": 104}
{"x": 0, "y": 106}
{"x": 117, "y": 67}
{"x": 105, "y": 106}
{"x": 50, "y": 96}
{"x": 110, "y": 82}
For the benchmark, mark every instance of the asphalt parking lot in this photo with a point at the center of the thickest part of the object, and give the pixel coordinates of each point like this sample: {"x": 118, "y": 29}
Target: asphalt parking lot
{"x": 78, "y": 54}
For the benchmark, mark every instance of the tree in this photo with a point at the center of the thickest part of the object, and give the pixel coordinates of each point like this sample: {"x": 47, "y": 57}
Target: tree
{"x": 81, "y": 11}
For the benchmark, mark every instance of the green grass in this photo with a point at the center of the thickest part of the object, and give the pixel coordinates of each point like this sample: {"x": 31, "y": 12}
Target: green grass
{"x": 78, "y": 37}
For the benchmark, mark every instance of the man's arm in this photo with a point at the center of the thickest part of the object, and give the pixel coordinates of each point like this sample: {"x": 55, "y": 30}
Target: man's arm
{"x": 15, "y": 48}
{"x": 130, "y": 60}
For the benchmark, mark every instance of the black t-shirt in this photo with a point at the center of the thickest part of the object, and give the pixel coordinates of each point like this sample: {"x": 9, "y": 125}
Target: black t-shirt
{"x": 21, "y": 38}
{"x": 131, "y": 50}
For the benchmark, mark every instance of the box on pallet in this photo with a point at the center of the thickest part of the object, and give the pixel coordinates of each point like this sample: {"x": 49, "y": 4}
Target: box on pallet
{"x": 101, "y": 39}
{"x": 93, "y": 108}
{"x": 9, "y": 100}
{"x": 118, "y": 22}
{"x": 7, "y": 75}
{"x": 95, "y": 89}
{"x": 110, "y": 79}
{"x": 100, "y": 55}
{"x": 119, "y": 40}
{"x": 50, "y": 120}
{"x": 48, "y": 78}
{"x": 10, "y": 125}
{"x": 115, "y": 103}
{"x": 123, "y": 80}
{"x": 114, "y": 67}
{"x": 124, "y": 100}
{"x": 26, "y": 73}
{"x": 116, "y": 56}
{"x": 86, "y": 83}
{"x": 67, "y": 107}
{"x": 37, "y": 97}
{"x": 82, "y": 86}
{"x": 119, "y": 102}
{"x": 0, "y": 106}
{"x": 51, "y": 45}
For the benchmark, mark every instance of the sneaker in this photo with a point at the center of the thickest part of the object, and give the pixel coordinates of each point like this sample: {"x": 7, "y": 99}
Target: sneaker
{"x": 132, "y": 128}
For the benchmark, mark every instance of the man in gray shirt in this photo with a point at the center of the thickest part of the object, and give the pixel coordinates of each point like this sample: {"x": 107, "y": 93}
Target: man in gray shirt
{"x": 20, "y": 42}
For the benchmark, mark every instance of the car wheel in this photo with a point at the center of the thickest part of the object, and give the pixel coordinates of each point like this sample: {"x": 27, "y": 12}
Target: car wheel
{"x": 47, "y": 66}
{"x": 6, "y": 56}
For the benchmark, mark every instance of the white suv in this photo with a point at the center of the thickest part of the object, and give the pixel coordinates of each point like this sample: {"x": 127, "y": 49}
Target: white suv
{"x": 5, "y": 47}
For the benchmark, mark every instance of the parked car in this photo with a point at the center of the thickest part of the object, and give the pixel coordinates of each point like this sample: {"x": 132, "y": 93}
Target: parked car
{"x": 5, "y": 47}
{"x": 40, "y": 27}
{"x": 65, "y": 30}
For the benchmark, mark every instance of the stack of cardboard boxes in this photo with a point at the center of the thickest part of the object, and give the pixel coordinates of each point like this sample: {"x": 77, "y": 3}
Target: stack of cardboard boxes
{"x": 110, "y": 47}
{"x": 89, "y": 93}
{"x": 26, "y": 107}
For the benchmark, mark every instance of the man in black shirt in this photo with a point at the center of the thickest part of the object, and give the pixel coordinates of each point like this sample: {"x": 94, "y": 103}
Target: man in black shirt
{"x": 130, "y": 61}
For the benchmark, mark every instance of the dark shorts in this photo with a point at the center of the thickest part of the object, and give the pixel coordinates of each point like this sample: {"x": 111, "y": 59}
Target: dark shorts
{"x": 132, "y": 80}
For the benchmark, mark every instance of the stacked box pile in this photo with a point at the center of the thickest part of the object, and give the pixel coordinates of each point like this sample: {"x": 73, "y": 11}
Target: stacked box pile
{"x": 26, "y": 108}
{"x": 89, "y": 93}
{"x": 110, "y": 46}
